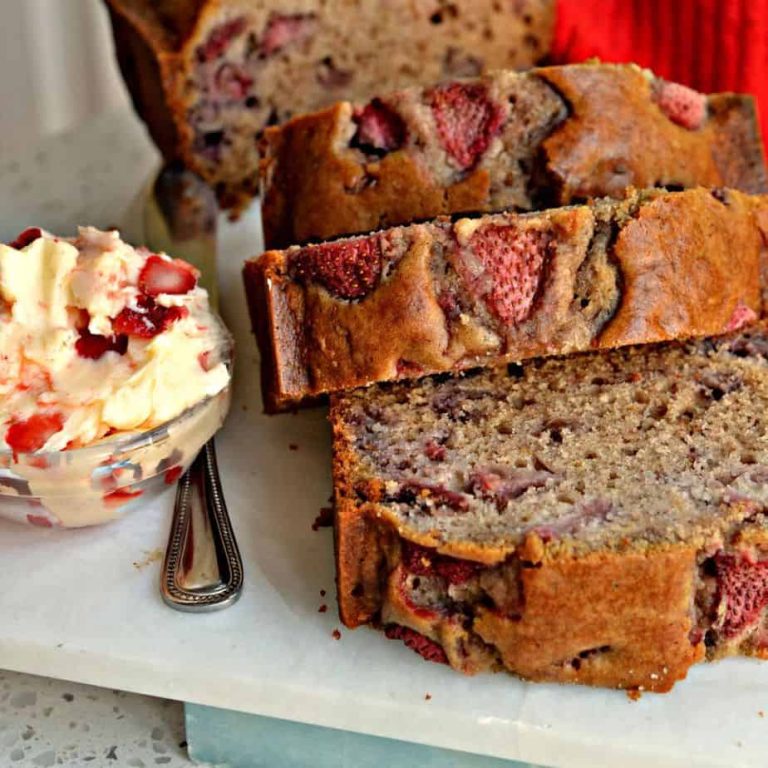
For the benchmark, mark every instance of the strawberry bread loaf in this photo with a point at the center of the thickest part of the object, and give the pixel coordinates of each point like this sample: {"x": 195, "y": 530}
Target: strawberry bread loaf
{"x": 447, "y": 296}
{"x": 208, "y": 75}
{"x": 599, "y": 519}
{"x": 550, "y": 136}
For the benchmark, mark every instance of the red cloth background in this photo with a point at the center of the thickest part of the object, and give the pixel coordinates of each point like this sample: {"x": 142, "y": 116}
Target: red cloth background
{"x": 708, "y": 45}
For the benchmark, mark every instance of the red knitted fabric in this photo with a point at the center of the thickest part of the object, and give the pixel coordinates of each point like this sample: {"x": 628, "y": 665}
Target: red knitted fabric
{"x": 711, "y": 45}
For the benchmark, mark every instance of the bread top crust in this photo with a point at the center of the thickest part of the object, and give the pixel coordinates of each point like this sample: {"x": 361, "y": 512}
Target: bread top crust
{"x": 616, "y": 136}
{"x": 167, "y": 24}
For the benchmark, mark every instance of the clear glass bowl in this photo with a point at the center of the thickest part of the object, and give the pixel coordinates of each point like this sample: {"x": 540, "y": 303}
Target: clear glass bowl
{"x": 105, "y": 480}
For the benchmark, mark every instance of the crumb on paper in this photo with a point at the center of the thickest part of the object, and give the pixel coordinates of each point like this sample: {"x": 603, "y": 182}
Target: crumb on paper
{"x": 760, "y": 713}
{"x": 150, "y": 557}
{"x": 634, "y": 694}
{"x": 427, "y": 697}
{"x": 323, "y": 608}
{"x": 336, "y": 634}
{"x": 293, "y": 447}
{"x": 322, "y": 593}
{"x": 324, "y": 519}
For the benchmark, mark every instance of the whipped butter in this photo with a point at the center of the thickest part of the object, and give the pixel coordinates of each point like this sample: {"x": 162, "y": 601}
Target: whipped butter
{"x": 99, "y": 338}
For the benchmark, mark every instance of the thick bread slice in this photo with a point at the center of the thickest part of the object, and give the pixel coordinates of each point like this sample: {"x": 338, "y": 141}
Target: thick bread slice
{"x": 447, "y": 296}
{"x": 599, "y": 519}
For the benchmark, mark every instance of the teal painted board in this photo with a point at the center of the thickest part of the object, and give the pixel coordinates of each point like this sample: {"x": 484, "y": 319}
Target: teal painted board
{"x": 222, "y": 737}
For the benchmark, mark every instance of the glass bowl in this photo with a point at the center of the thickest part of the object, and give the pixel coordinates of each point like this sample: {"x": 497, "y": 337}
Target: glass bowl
{"x": 105, "y": 480}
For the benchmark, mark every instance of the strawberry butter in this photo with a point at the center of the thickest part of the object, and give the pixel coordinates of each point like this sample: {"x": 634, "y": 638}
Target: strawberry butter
{"x": 98, "y": 338}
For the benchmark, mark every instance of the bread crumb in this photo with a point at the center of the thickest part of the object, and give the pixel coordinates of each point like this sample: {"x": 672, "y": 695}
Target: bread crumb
{"x": 150, "y": 557}
{"x": 322, "y": 593}
{"x": 760, "y": 713}
{"x": 634, "y": 694}
{"x": 465, "y": 228}
{"x": 324, "y": 519}
{"x": 323, "y": 608}
{"x": 293, "y": 447}
{"x": 427, "y": 696}
{"x": 336, "y": 634}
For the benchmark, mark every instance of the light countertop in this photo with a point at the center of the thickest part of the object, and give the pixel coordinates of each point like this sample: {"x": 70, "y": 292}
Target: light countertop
{"x": 45, "y": 722}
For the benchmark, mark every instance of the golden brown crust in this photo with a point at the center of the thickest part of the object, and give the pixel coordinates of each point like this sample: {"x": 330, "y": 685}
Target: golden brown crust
{"x": 687, "y": 265}
{"x": 612, "y": 619}
{"x": 277, "y": 316}
{"x": 615, "y": 620}
{"x": 146, "y": 57}
{"x": 657, "y": 250}
{"x": 614, "y": 136}
{"x": 359, "y": 544}
{"x": 360, "y": 560}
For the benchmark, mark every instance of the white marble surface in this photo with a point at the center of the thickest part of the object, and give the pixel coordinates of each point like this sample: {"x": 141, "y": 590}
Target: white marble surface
{"x": 45, "y": 723}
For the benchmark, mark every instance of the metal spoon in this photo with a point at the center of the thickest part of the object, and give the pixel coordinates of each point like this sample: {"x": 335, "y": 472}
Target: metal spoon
{"x": 203, "y": 569}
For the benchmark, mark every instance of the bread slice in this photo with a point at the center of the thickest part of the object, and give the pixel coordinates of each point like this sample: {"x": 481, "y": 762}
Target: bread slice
{"x": 446, "y": 296}
{"x": 208, "y": 75}
{"x": 547, "y": 137}
{"x": 597, "y": 519}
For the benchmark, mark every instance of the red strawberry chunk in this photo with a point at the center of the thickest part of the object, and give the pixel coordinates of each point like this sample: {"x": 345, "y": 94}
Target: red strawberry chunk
{"x": 379, "y": 127}
{"x": 233, "y": 81}
{"x": 29, "y": 235}
{"x": 435, "y": 451}
{"x": 122, "y": 496}
{"x": 148, "y": 319}
{"x": 504, "y": 268}
{"x": 204, "y": 358}
{"x": 349, "y": 269}
{"x": 173, "y": 474}
{"x": 426, "y": 648}
{"x": 219, "y": 39}
{"x": 741, "y": 316}
{"x": 412, "y": 491}
{"x": 682, "y": 105}
{"x": 423, "y": 561}
{"x": 467, "y": 120}
{"x": 161, "y": 275}
{"x": 284, "y": 30}
{"x": 32, "y": 434}
{"x": 742, "y": 588}
{"x": 93, "y": 346}
{"x": 41, "y": 521}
